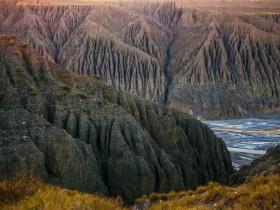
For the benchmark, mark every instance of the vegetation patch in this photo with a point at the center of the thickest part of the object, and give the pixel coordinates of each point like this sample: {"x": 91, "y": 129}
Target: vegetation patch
{"x": 33, "y": 194}
{"x": 261, "y": 193}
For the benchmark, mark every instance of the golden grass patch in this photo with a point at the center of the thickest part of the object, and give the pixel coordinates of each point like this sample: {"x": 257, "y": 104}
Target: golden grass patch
{"x": 33, "y": 194}
{"x": 261, "y": 193}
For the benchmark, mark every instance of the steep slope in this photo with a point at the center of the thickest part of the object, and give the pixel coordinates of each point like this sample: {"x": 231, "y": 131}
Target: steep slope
{"x": 189, "y": 55}
{"x": 80, "y": 133}
{"x": 236, "y": 68}
{"x": 266, "y": 165}
{"x": 262, "y": 192}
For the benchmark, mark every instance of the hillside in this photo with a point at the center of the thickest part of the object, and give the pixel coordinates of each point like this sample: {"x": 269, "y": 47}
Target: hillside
{"x": 265, "y": 165}
{"x": 214, "y": 60}
{"x": 33, "y": 194}
{"x": 80, "y": 133}
{"x": 260, "y": 193}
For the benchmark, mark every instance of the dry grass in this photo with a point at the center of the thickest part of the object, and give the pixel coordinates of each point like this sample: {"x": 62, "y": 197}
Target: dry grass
{"x": 261, "y": 193}
{"x": 11, "y": 192}
{"x": 33, "y": 194}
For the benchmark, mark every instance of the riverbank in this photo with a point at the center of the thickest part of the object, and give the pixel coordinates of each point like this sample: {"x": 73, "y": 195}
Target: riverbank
{"x": 248, "y": 139}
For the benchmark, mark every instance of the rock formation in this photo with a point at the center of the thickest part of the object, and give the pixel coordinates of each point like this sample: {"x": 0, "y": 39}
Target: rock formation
{"x": 266, "y": 165}
{"x": 81, "y": 133}
{"x": 211, "y": 60}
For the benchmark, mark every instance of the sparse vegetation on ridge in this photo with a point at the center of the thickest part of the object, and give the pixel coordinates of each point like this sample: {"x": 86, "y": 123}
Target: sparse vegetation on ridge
{"x": 33, "y": 194}
{"x": 262, "y": 192}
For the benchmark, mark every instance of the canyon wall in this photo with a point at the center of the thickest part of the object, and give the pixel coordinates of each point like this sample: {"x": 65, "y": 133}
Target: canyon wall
{"x": 204, "y": 61}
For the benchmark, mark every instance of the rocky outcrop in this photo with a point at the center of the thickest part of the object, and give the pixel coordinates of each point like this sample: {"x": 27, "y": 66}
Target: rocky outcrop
{"x": 202, "y": 61}
{"x": 266, "y": 165}
{"x": 81, "y": 133}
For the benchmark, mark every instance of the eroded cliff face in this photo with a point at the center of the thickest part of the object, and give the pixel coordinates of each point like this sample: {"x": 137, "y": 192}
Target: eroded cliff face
{"x": 80, "y": 133}
{"x": 208, "y": 62}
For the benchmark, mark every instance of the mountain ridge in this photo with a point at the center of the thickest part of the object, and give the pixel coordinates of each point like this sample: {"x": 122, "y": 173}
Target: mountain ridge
{"x": 202, "y": 61}
{"x": 81, "y": 133}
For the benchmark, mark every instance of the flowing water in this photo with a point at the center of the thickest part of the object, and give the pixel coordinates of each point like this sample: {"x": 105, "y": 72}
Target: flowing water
{"x": 247, "y": 139}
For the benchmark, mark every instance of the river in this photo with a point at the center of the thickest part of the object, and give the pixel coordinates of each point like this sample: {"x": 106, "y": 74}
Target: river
{"x": 247, "y": 139}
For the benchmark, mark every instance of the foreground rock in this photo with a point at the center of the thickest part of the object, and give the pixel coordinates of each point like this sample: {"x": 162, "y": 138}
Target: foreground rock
{"x": 266, "y": 165}
{"x": 78, "y": 132}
